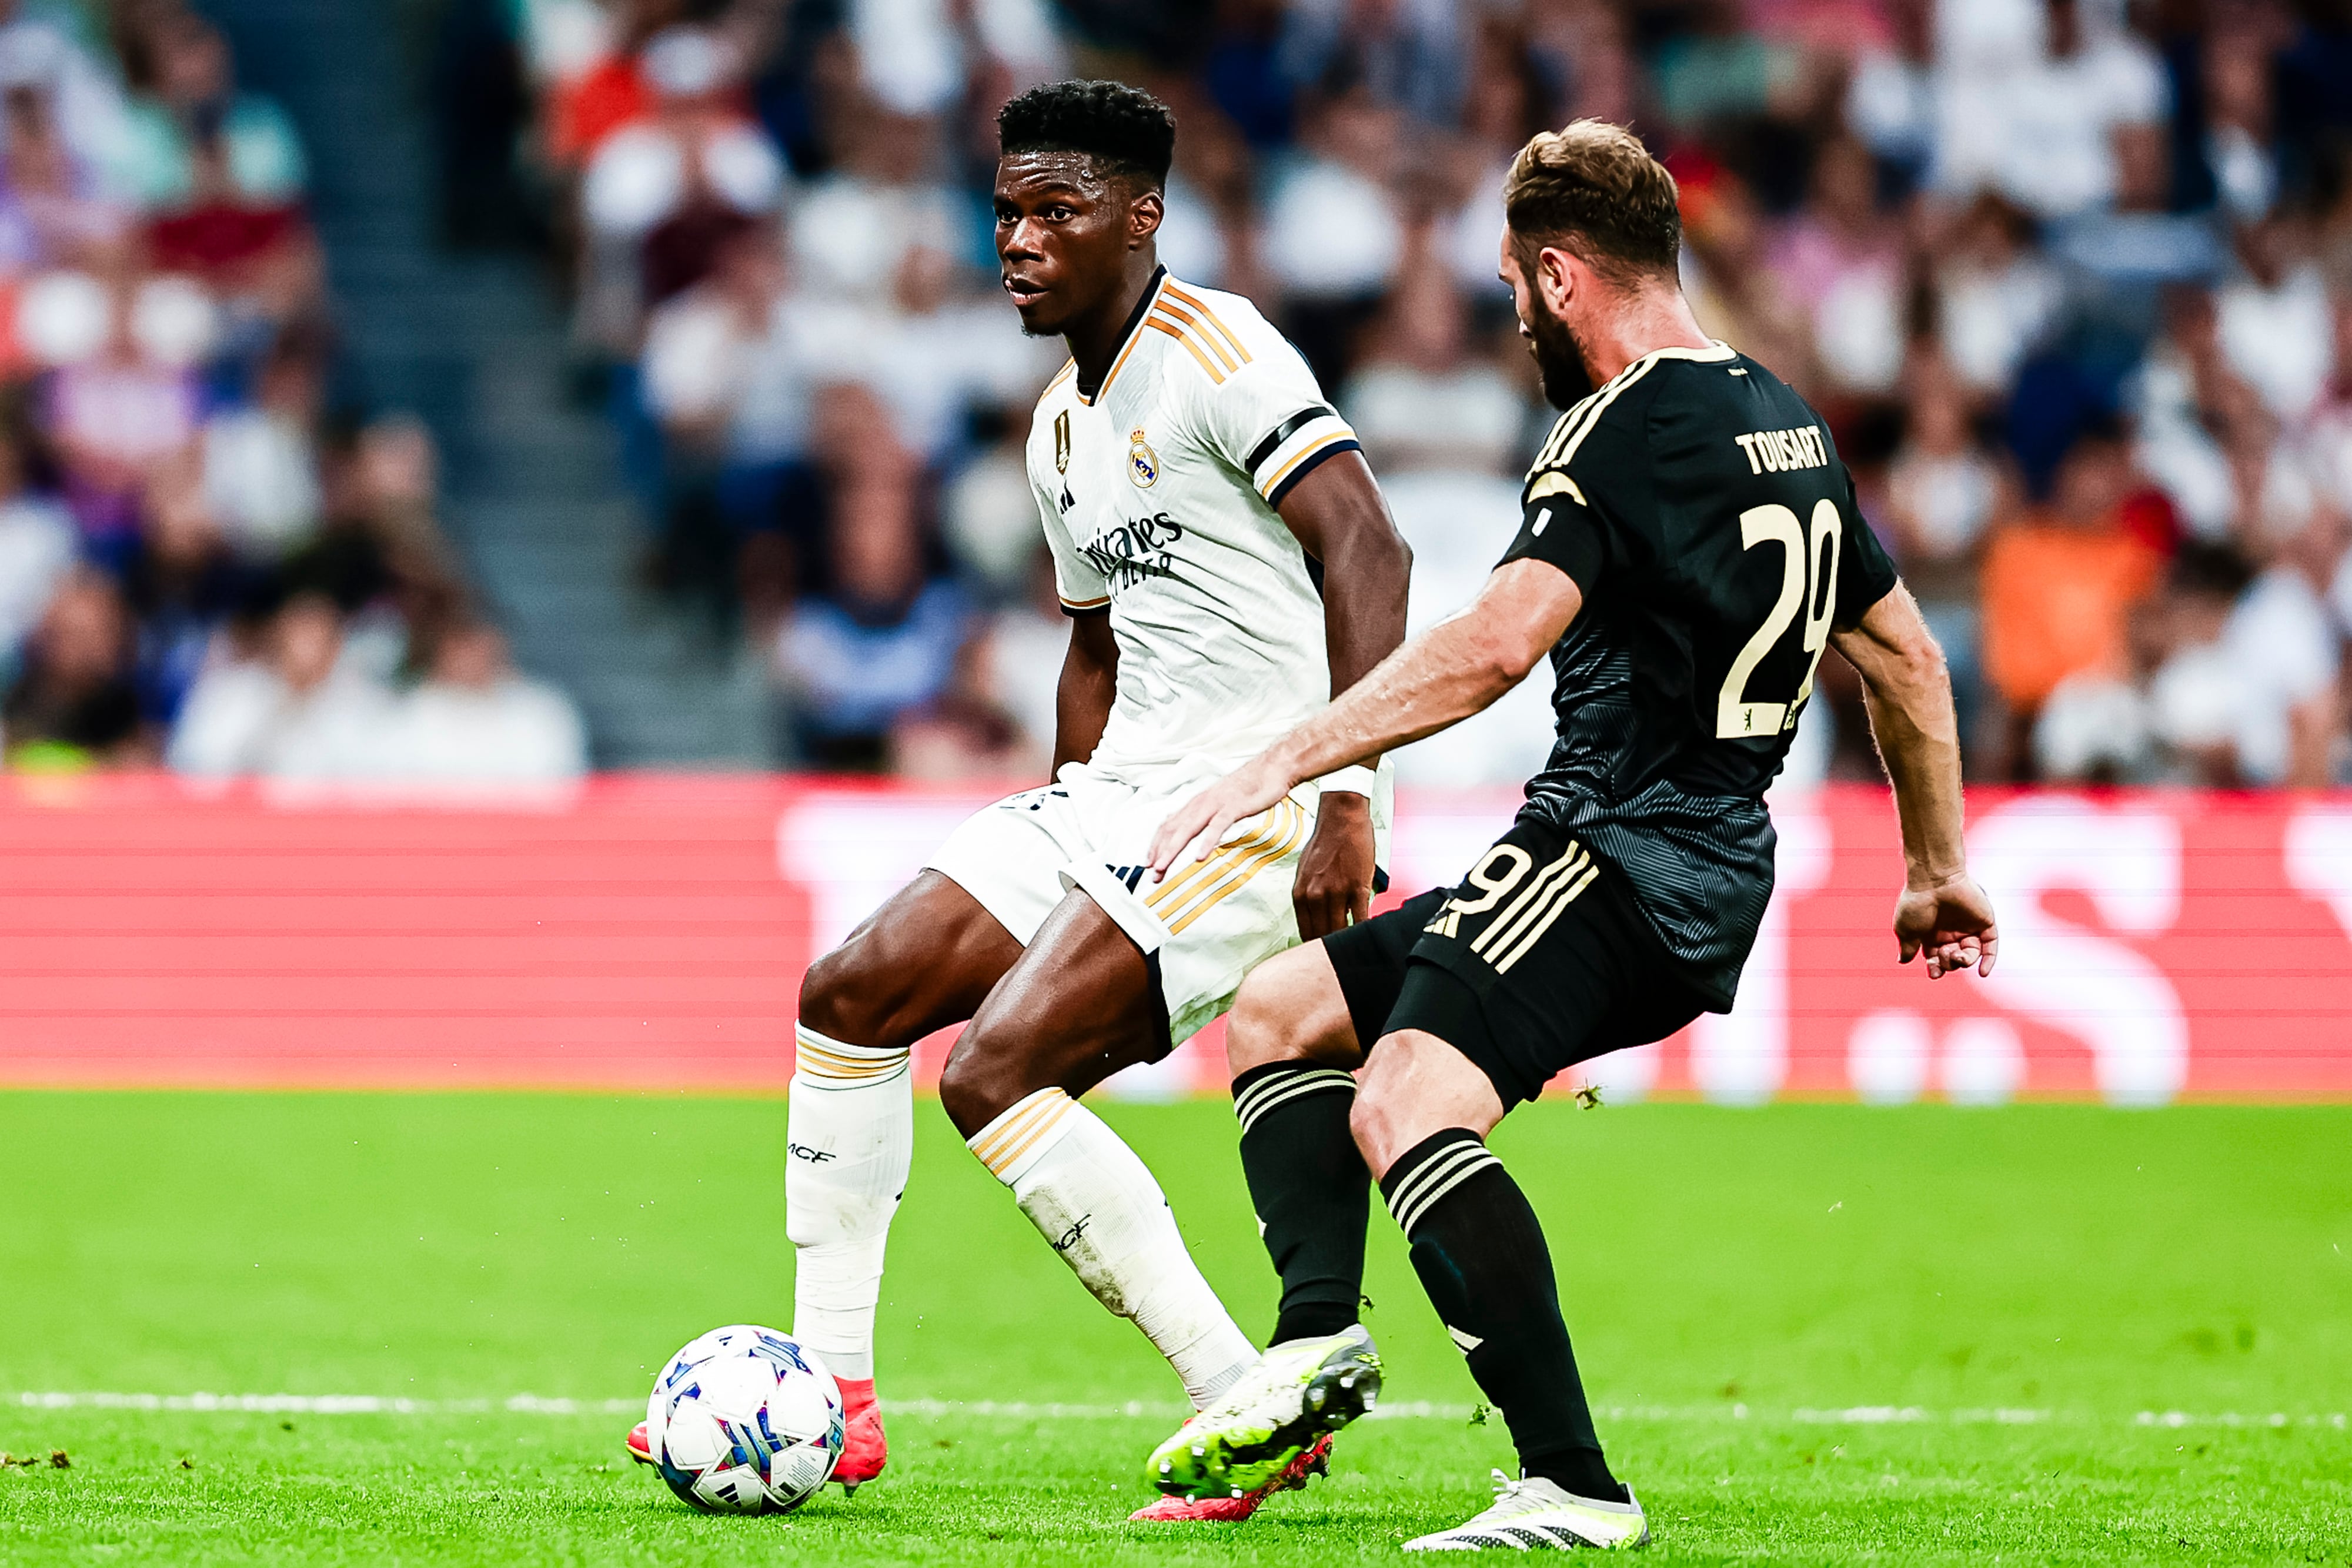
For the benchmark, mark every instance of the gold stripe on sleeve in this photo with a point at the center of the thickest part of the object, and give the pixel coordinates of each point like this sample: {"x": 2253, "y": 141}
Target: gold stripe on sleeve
{"x": 1157, "y": 324}
{"x": 1178, "y": 313}
{"x": 1223, "y": 331}
{"x": 1268, "y": 488}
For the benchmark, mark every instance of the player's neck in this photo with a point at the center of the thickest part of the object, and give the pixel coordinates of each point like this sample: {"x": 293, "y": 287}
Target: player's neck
{"x": 1639, "y": 324}
{"x": 1094, "y": 341}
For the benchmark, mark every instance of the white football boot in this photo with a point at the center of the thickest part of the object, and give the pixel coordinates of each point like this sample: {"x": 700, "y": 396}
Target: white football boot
{"x": 1535, "y": 1515}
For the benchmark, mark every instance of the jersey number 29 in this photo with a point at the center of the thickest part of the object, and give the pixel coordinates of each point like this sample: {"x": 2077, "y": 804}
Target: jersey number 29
{"x": 1808, "y": 573}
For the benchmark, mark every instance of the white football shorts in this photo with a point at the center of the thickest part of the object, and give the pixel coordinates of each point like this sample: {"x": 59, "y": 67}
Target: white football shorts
{"x": 1203, "y": 928}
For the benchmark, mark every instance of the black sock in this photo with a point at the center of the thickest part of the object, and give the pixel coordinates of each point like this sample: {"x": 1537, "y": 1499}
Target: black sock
{"x": 1310, "y": 1188}
{"x": 1481, "y": 1257}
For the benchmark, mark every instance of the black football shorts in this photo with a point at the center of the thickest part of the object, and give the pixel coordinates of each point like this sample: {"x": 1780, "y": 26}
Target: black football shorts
{"x": 1539, "y": 960}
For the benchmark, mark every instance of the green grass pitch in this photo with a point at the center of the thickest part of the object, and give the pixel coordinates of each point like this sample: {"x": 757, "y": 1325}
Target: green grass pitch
{"x": 1816, "y": 1334}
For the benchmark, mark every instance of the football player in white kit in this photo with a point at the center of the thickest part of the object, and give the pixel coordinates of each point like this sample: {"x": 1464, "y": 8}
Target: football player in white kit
{"x": 1229, "y": 566}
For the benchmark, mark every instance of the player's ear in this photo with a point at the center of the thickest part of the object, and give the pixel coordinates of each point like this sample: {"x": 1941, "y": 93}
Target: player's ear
{"x": 1558, "y": 278}
{"x": 1143, "y": 215}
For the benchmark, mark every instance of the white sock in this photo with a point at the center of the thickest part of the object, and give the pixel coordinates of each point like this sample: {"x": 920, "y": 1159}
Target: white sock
{"x": 1091, "y": 1198}
{"x": 850, "y": 1133}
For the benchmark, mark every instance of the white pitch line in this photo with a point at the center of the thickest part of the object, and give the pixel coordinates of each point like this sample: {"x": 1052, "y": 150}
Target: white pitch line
{"x": 1023, "y": 1410}
{"x": 328, "y": 1403}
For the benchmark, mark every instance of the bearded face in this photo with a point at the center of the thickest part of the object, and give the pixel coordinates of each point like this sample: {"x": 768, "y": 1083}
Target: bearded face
{"x": 1559, "y": 358}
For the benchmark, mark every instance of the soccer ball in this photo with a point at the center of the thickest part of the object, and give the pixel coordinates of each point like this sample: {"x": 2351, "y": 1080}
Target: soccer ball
{"x": 745, "y": 1420}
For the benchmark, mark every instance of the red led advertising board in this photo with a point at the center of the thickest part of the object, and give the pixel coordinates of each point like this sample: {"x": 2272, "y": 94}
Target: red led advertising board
{"x": 650, "y": 933}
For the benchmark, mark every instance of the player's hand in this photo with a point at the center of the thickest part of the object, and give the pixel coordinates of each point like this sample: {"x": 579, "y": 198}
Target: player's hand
{"x": 1334, "y": 875}
{"x": 1201, "y": 823}
{"x": 1951, "y": 923}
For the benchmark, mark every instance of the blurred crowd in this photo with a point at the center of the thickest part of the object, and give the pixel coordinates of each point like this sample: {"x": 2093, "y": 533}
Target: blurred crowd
{"x": 207, "y": 560}
{"x": 2070, "y": 279}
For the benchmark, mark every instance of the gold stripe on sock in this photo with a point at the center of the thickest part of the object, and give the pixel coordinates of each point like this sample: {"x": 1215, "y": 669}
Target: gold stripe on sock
{"x": 1037, "y": 1134}
{"x": 993, "y": 1140}
{"x": 818, "y": 1062}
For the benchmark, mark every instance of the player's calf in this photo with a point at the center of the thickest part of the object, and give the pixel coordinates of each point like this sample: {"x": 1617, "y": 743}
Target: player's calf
{"x": 925, "y": 960}
{"x": 1481, "y": 1256}
{"x": 849, "y": 1140}
{"x": 1100, "y": 1210}
{"x": 1291, "y": 1041}
{"x": 1078, "y": 1005}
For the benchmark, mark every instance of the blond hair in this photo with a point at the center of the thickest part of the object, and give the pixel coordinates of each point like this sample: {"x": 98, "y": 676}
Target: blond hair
{"x": 1593, "y": 189}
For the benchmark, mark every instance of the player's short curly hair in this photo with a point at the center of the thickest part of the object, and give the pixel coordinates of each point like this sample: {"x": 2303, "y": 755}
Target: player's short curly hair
{"x": 1126, "y": 131}
{"x": 1594, "y": 189}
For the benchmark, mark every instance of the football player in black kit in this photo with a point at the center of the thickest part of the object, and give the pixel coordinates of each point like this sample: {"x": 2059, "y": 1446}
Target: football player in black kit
{"x": 1690, "y": 544}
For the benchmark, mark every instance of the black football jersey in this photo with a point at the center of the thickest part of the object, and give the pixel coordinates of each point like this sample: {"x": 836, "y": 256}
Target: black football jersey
{"x": 1701, "y": 506}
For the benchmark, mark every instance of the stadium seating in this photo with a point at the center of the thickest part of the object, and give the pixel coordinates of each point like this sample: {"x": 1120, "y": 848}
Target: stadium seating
{"x": 2068, "y": 282}
{"x": 682, "y": 292}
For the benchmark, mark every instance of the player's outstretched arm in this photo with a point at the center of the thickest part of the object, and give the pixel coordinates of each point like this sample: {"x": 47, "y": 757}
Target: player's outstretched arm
{"x": 1908, "y": 694}
{"x": 1455, "y": 669}
{"x": 1339, "y": 518}
{"x": 1090, "y": 682}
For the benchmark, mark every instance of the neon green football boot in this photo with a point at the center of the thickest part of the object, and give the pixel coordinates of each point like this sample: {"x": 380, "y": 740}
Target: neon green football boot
{"x": 1292, "y": 1396}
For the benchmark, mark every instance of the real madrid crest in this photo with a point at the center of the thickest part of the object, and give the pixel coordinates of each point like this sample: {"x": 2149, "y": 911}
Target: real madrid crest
{"x": 1142, "y": 463}
{"x": 1062, "y": 441}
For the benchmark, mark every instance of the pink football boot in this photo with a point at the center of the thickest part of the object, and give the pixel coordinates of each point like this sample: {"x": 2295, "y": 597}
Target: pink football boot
{"x": 863, "y": 1449}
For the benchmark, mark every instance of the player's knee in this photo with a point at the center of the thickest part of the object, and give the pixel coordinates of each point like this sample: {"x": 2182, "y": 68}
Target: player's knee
{"x": 1290, "y": 1009}
{"x": 1254, "y": 1034}
{"x": 1390, "y": 1114}
{"x": 1373, "y": 1129}
{"x": 829, "y": 998}
{"x": 975, "y": 1086}
{"x": 849, "y": 999}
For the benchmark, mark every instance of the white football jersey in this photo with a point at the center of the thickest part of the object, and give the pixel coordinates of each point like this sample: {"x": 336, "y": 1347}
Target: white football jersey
{"x": 1159, "y": 496}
